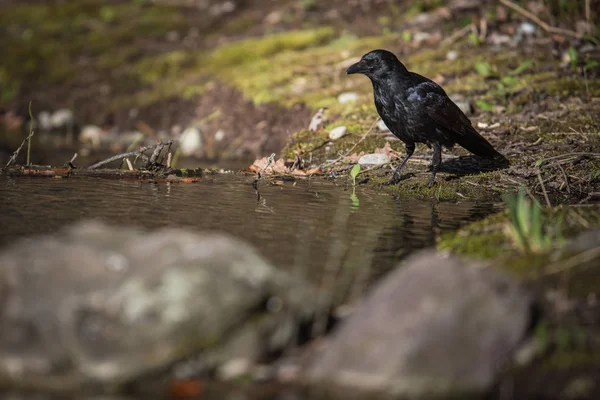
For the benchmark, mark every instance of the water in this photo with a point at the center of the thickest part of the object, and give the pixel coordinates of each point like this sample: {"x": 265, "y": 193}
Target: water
{"x": 303, "y": 227}
{"x": 310, "y": 228}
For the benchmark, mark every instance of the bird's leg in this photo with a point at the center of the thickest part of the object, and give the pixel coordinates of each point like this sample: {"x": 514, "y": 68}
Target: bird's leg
{"x": 410, "y": 149}
{"x": 435, "y": 162}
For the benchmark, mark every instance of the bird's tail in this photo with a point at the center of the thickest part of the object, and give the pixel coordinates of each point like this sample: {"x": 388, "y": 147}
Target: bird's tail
{"x": 477, "y": 145}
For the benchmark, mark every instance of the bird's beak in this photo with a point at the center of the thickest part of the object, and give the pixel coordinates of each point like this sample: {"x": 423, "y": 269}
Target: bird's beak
{"x": 357, "y": 68}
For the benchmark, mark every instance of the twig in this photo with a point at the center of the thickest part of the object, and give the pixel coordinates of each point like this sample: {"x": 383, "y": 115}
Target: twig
{"x": 169, "y": 160}
{"x": 566, "y": 155}
{"x": 13, "y": 158}
{"x": 137, "y": 153}
{"x": 565, "y": 177}
{"x": 260, "y": 172}
{"x": 31, "y": 132}
{"x": 457, "y": 35}
{"x": 129, "y": 164}
{"x": 574, "y": 261}
{"x": 544, "y": 189}
{"x": 156, "y": 153}
{"x": 70, "y": 163}
{"x": 544, "y": 25}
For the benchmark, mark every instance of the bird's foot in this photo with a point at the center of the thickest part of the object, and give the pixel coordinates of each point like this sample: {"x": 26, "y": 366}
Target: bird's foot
{"x": 431, "y": 182}
{"x": 395, "y": 179}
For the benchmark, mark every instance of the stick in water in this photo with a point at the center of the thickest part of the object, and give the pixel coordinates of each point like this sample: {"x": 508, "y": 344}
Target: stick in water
{"x": 259, "y": 174}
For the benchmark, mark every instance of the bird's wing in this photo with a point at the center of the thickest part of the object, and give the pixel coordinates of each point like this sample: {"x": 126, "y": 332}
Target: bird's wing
{"x": 449, "y": 117}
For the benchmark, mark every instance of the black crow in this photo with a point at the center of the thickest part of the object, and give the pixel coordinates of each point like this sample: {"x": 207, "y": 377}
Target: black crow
{"x": 417, "y": 110}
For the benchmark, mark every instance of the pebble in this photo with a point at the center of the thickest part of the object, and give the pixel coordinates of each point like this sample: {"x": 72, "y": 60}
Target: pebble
{"x": 233, "y": 369}
{"x": 338, "y": 132}
{"x": 452, "y": 55}
{"x": 91, "y": 134}
{"x": 374, "y": 159}
{"x": 347, "y": 97}
{"x": 382, "y": 126}
{"x": 463, "y": 104}
{"x": 190, "y": 141}
{"x": 219, "y": 135}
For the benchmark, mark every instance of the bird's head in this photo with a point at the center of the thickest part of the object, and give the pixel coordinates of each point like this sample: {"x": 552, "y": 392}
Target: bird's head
{"x": 377, "y": 64}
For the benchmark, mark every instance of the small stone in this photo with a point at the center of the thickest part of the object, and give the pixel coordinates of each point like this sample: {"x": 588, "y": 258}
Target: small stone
{"x": 452, "y": 55}
{"x": 527, "y": 28}
{"x": 421, "y": 37}
{"x": 91, "y": 134}
{"x": 374, "y": 159}
{"x": 338, "y": 132}
{"x": 61, "y": 118}
{"x": 190, "y": 141}
{"x": 233, "y": 369}
{"x": 347, "y": 97}
{"x": 463, "y": 104}
{"x": 382, "y": 126}
{"x": 482, "y": 125}
{"x": 219, "y": 135}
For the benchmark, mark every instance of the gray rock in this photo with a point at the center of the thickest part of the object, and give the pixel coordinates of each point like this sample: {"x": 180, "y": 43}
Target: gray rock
{"x": 106, "y": 305}
{"x": 463, "y": 104}
{"x": 374, "y": 159}
{"x": 190, "y": 141}
{"x": 347, "y": 97}
{"x": 338, "y": 132}
{"x": 434, "y": 326}
{"x": 382, "y": 126}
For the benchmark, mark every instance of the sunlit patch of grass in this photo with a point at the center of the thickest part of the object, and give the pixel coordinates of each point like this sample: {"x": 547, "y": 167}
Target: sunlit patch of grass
{"x": 527, "y": 227}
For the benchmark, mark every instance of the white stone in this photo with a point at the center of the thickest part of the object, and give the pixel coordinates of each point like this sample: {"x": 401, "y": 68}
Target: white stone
{"x": 347, "y": 97}
{"x": 338, "y": 132}
{"x": 91, "y": 134}
{"x": 452, "y": 55}
{"x": 219, "y": 135}
{"x": 190, "y": 141}
{"x": 234, "y": 368}
{"x": 382, "y": 126}
{"x": 374, "y": 159}
{"x": 61, "y": 118}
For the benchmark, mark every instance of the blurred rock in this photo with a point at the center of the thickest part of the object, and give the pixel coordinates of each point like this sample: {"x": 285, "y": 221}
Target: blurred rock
{"x": 462, "y": 103}
{"x": 105, "y": 305}
{"x": 190, "y": 142}
{"x": 338, "y": 133}
{"x": 317, "y": 120}
{"x": 219, "y": 135}
{"x": 347, "y": 97}
{"x": 437, "y": 325}
{"x": 382, "y": 126}
{"x": 374, "y": 159}
{"x": 62, "y": 118}
{"x": 92, "y": 135}
{"x": 452, "y": 55}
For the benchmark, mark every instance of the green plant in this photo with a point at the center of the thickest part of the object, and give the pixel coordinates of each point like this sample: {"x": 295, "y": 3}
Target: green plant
{"x": 474, "y": 39}
{"x": 573, "y": 57}
{"x": 484, "y": 69}
{"x": 527, "y": 226}
{"x": 484, "y": 105}
{"x": 354, "y": 173}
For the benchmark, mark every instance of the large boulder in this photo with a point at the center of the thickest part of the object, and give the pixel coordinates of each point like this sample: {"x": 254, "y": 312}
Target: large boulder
{"x": 436, "y": 326}
{"x": 101, "y": 305}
